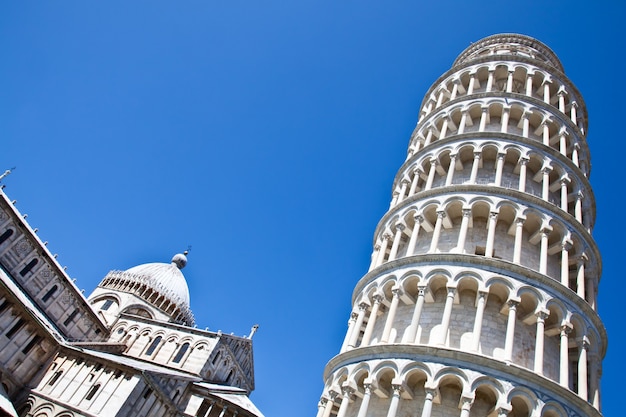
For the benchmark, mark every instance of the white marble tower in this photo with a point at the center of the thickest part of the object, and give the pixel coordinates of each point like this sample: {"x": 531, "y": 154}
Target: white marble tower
{"x": 481, "y": 296}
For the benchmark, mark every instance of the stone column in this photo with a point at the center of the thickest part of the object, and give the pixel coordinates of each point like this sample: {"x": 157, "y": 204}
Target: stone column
{"x": 491, "y": 233}
{"x": 472, "y": 82}
{"x": 525, "y": 124}
{"x": 351, "y": 322}
{"x": 543, "y": 251}
{"x": 223, "y": 412}
{"x": 345, "y": 401}
{"x": 410, "y": 250}
{"x": 539, "y": 341}
{"x": 563, "y": 142}
{"x": 499, "y": 166}
{"x": 431, "y": 174}
{"x": 429, "y": 137}
{"x": 367, "y": 393}
{"x": 594, "y": 381}
{"x": 475, "y": 164}
{"x": 522, "y": 174}
{"x": 546, "y": 90}
{"x": 478, "y": 320}
{"x": 447, "y": 314}
{"x": 561, "y": 95}
{"x": 529, "y": 85}
{"x": 580, "y": 276}
{"x": 564, "y": 183}
{"x": 519, "y": 232}
{"x": 573, "y": 113}
{"x": 578, "y": 208}
{"x": 396, "y": 242}
{"x": 455, "y": 89}
{"x": 374, "y": 256}
{"x": 428, "y": 402}
{"x": 564, "y": 355}
{"x": 397, "y": 292}
{"x": 403, "y": 187}
{"x": 483, "y": 118}
{"x": 583, "y": 347}
{"x": 411, "y": 336}
{"x": 416, "y": 178}
{"x": 369, "y": 328}
{"x": 510, "y": 330}
{"x": 356, "y": 328}
{"x": 575, "y": 150}
{"x": 466, "y": 406}
{"x": 462, "y": 122}
{"x": 460, "y": 244}
{"x": 395, "y": 400}
{"x": 546, "y": 132}
{"x": 566, "y": 245}
{"x": 383, "y": 249}
{"x": 451, "y": 169}
{"x": 437, "y": 231}
{"x": 321, "y": 407}
{"x": 545, "y": 191}
{"x": 509, "y": 82}
{"x": 444, "y": 128}
{"x": 490, "y": 80}
{"x": 505, "y": 120}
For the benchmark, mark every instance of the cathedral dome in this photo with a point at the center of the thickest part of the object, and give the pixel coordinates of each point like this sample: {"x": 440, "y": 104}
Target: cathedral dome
{"x": 166, "y": 279}
{"x": 161, "y": 285}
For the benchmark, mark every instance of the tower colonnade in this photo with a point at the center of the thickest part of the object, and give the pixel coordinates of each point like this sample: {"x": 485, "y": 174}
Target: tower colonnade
{"x": 481, "y": 294}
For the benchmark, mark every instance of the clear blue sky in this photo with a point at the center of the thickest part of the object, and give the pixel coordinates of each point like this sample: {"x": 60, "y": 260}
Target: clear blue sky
{"x": 265, "y": 134}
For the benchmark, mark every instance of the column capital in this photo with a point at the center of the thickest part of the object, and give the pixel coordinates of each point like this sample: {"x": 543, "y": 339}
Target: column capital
{"x": 434, "y": 162}
{"x": 493, "y": 215}
{"x": 441, "y": 213}
{"x": 400, "y": 227}
{"x": 386, "y": 236}
{"x": 567, "y": 244}
{"x": 378, "y": 298}
{"x": 465, "y": 402}
{"x": 397, "y": 291}
{"x": 405, "y": 181}
{"x": 364, "y": 305}
{"x": 523, "y": 160}
{"x": 520, "y": 220}
{"x": 477, "y": 154}
{"x": 584, "y": 343}
{"x": 546, "y": 169}
{"x": 421, "y": 290}
{"x": 542, "y": 315}
{"x": 566, "y": 328}
{"x": 512, "y": 303}
{"x": 418, "y": 218}
{"x": 565, "y": 180}
{"x": 466, "y": 212}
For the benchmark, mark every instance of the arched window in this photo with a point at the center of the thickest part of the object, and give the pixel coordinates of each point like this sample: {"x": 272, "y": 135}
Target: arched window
{"x": 55, "y": 377}
{"x": 29, "y": 266}
{"x": 5, "y": 236}
{"x": 181, "y": 352}
{"x": 49, "y": 294}
{"x": 153, "y": 345}
{"x": 108, "y": 303}
{"x": 92, "y": 392}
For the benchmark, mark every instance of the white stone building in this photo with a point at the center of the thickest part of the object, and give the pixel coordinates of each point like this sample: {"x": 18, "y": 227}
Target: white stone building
{"x": 129, "y": 349}
{"x": 481, "y": 296}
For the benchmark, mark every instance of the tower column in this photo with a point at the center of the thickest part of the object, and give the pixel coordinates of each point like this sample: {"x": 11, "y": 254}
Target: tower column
{"x": 351, "y": 322}
{"x": 566, "y": 245}
{"x": 583, "y": 347}
{"x": 510, "y": 330}
{"x": 580, "y": 276}
{"x": 435, "y": 241}
{"x": 383, "y": 249}
{"x": 522, "y": 174}
{"x": 543, "y": 255}
{"x": 411, "y": 336}
{"x": 564, "y": 355}
{"x": 499, "y": 166}
{"x": 416, "y": 177}
{"x": 396, "y": 242}
{"x": 491, "y": 233}
{"x": 478, "y": 320}
{"x": 428, "y": 402}
{"x": 367, "y": 393}
{"x": 354, "y": 336}
{"x": 451, "y": 169}
{"x": 517, "y": 248}
{"x": 369, "y": 328}
{"x": 447, "y": 313}
{"x": 466, "y": 406}
{"x": 397, "y": 292}
{"x": 539, "y": 342}
{"x": 410, "y": 250}
{"x": 345, "y": 400}
{"x": 395, "y": 400}
{"x": 431, "y": 174}
{"x": 460, "y": 245}
{"x": 475, "y": 164}
{"x": 564, "y": 195}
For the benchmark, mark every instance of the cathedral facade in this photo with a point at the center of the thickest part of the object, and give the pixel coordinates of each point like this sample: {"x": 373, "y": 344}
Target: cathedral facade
{"x": 129, "y": 349}
{"x": 480, "y": 299}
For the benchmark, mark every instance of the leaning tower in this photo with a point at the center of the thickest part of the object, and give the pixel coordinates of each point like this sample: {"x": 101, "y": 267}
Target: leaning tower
{"x": 480, "y": 299}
